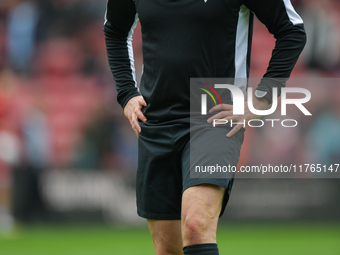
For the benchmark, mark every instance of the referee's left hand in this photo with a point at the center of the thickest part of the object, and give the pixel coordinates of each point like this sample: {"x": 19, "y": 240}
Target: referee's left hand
{"x": 226, "y": 112}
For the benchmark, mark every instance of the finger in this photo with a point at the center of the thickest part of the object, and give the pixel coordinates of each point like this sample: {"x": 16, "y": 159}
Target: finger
{"x": 133, "y": 126}
{"x": 218, "y": 122}
{"x": 136, "y": 124}
{"x": 219, "y": 107}
{"x": 137, "y": 134}
{"x": 140, "y": 115}
{"x": 223, "y": 121}
{"x": 234, "y": 130}
{"x": 142, "y": 101}
{"x": 220, "y": 115}
{"x": 134, "y": 129}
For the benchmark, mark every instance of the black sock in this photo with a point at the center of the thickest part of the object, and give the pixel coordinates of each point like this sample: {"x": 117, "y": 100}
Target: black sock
{"x": 201, "y": 249}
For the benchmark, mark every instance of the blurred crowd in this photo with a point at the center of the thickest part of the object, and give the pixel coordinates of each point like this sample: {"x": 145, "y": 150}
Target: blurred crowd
{"x": 57, "y": 99}
{"x": 317, "y": 138}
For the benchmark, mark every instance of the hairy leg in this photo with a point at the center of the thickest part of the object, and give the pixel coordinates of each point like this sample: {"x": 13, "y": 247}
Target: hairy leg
{"x": 166, "y": 236}
{"x": 201, "y": 207}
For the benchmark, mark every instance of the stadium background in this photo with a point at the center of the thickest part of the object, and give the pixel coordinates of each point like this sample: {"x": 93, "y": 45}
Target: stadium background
{"x": 68, "y": 155}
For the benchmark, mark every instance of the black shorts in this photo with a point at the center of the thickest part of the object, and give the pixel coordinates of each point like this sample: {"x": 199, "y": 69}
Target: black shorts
{"x": 164, "y": 166}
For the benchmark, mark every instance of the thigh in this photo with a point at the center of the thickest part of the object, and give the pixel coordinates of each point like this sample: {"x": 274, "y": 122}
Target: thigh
{"x": 209, "y": 146}
{"x": 159, "y": 175}
{"x": 203, "y": 199}
{"x": 166, "y": 236}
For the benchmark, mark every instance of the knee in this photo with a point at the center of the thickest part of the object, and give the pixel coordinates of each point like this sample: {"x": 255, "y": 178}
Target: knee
{"x": 195, "y": 228}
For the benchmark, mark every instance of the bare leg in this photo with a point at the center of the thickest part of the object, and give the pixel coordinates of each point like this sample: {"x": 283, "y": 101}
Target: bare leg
{"x": 166, "y": 236}
{"x": 201, "y": 207}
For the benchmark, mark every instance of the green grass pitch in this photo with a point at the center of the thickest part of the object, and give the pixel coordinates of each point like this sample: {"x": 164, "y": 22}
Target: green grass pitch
{"x": 233, "y": 239}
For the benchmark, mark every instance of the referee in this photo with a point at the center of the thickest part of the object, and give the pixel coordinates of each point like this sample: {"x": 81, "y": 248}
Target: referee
{"x": 183, "y": 39}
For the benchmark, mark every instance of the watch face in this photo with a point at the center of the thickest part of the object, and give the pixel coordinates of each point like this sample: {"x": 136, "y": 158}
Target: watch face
{"x": 260, "y": 94}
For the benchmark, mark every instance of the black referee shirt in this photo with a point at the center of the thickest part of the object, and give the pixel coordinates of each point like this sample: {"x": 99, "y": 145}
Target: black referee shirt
{"x": 183, "y": 39}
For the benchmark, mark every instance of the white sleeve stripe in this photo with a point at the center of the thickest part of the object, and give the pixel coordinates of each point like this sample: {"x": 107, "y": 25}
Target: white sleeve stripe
{"x": 105, "y": 15}
{"x": 241, "y": 49}
{"x": 130, "y": 50}
{"x": 292, "y": 14}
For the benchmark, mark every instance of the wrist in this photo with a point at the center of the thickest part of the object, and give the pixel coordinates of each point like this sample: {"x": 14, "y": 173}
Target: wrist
{"x": 260, "y": 103}
{"x": 261, "y": 94}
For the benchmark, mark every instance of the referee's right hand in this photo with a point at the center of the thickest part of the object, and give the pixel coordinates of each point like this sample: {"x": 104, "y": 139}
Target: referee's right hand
{"x": 133, "y": 111}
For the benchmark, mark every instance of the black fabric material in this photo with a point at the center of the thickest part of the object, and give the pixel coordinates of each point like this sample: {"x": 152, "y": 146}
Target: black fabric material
{"x": 201, "y": 249}
{"x": 164, "y": 166}
{"x": 186, "y": 39}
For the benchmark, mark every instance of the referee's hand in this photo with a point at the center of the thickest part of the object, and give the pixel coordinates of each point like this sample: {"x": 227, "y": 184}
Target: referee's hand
{"x": 133, "y": 111}
{"x": 226, "y": 112}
